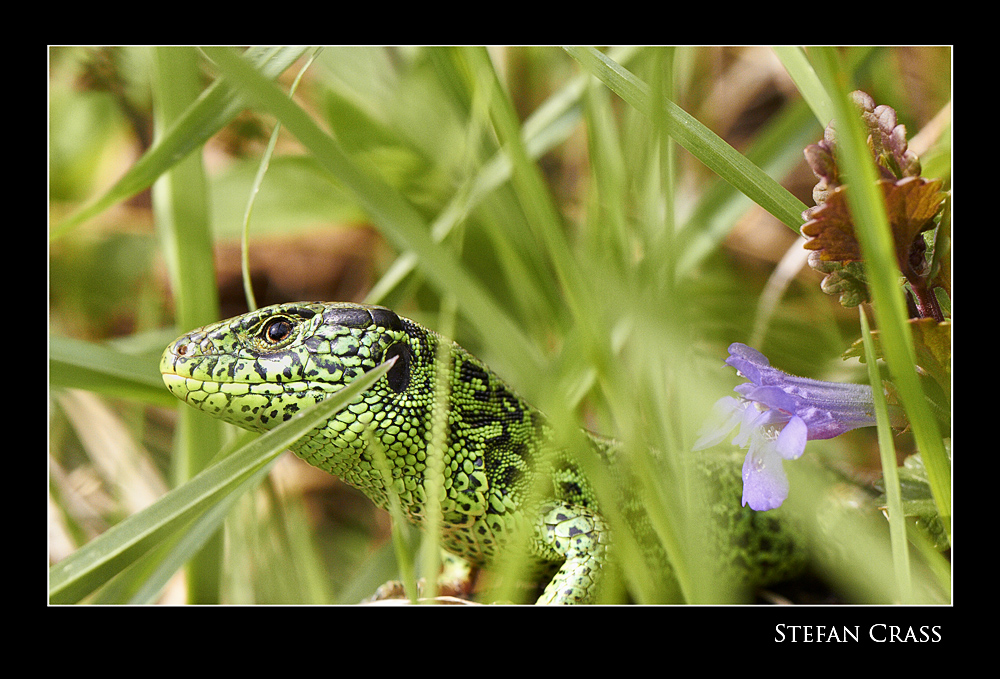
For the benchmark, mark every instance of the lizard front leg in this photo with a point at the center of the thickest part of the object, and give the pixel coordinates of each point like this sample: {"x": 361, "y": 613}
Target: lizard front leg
{"x": 580, "y": 537}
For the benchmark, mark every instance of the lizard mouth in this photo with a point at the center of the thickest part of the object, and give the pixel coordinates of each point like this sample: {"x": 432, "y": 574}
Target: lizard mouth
{"x": 252, "y": 405}
{"x": 181, "y": 385}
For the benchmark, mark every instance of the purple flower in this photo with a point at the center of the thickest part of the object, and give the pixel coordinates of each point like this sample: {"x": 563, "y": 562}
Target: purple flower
{"x": 777, "y": 413}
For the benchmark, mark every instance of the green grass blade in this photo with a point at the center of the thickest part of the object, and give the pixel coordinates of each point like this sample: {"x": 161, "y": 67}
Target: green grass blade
{"x": 254, "y": 189}
{"x": 180, "y": 206}
{"x": 85, "y": 365}
{"x": 887, "y": 453}
{"x": 192, "y": 539}
{"x": 701, "y": 142}
{"x": 875, "y": 235}
{"x": 776, "y": 150}
{"x": 808, "y": 84}
{"x": 180, "y": 196}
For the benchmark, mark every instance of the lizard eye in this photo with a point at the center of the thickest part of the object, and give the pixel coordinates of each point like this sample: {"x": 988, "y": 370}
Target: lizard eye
{"x": 276, "y": 330}
{"x": 399, "y": 375}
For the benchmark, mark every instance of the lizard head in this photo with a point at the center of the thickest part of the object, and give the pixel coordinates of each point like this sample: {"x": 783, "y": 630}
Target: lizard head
{"x": 259, "y": 369}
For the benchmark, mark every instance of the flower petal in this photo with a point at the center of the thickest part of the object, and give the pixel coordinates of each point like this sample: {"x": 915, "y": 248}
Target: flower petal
{"x": 765, "y": 485}
{"x": 726, "y": 414}
{"x": 748, "y": 361}
{"x": 791, "y": 442}
{"x": 753, "y": 421}
{"x": 772, "y": 397}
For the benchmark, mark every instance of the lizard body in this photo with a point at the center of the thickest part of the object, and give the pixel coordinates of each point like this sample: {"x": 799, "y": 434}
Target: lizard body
{"x": 504, "y": 484}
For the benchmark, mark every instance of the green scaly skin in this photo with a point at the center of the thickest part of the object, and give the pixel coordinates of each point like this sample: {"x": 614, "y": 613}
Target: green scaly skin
{"x": 259, "y": 369}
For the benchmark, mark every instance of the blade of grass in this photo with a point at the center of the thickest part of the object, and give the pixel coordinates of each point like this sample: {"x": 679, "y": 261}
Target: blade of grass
{"x": 801, "y": 71}
{"x": 255, "y": 188}
{"x": 887, "y": 453}
{"x": 400, "y": 543}
{"x": 660, "y": 203}
{"x": 85, "y": 365}
{"x": 776, "y": 149}
{"x": 434, "y": 475}
{"x": 701, "y": 142}
{"x": 193, "y": 537}
{"x": 875, "y": 235}
{"x": 812, "y": 90}
{"x": 180, "y": 196}
{"x": 180, "y": 206}
{"x": 143, "y": 581}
